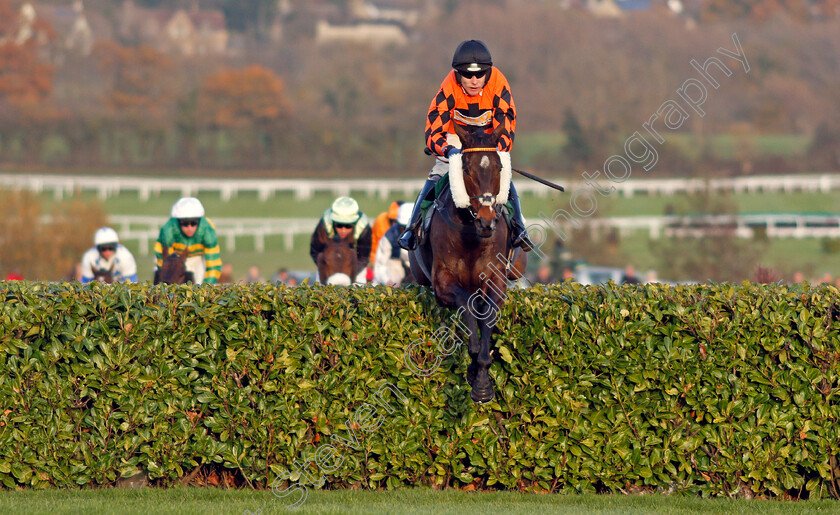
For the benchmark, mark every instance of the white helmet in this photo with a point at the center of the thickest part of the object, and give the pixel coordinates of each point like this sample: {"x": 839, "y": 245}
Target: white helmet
{"x": 344, "y": 210}
{"x": 187, "y": 207}
{"x": 105, "y": 235}
{"x": 404, "y": 214}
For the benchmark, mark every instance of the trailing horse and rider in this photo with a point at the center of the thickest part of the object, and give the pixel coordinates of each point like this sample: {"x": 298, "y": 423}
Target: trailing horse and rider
{"x": 391, "y": 265}
{"x": 108, "y": 260}
{"x": 189, "y": 234}
{"x": 340, "y": 245}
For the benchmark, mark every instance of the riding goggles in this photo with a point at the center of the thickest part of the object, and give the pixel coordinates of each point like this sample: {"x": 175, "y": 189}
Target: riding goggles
{"x": 188, "y": 223}
{"x": 342, "y": 226}
{"x": 470, "y": 75}
{"x": 106, "y": 248}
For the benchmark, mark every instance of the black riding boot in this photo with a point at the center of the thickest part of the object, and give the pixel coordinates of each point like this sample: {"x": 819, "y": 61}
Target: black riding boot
{"x": 519, "y": 236}
{"x": 411, "y": 236}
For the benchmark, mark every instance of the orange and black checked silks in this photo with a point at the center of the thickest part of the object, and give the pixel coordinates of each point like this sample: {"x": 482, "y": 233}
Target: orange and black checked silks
{"x": 486, "y": 111}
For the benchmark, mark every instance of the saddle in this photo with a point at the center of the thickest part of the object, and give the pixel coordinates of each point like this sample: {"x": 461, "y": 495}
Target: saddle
{"x": 441, "y": 190}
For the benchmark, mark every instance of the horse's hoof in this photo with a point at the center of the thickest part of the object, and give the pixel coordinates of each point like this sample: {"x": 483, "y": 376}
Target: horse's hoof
{"x": 482, "y": 390}
{"x": 482, "y": 395}
{"x": 471, "y": 371}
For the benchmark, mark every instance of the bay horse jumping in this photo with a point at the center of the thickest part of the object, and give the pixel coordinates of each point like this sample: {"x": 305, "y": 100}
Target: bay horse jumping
{"x": 466, "y": 257}
{"x": 337, "y": 258}
{"x": 174, "y": 269}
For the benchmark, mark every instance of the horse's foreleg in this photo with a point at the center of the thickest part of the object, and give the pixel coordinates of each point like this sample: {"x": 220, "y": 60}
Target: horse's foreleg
{"x": 448, "y": 293}
{"x": 482, "y": 385}
{"x": 491, "y": 300}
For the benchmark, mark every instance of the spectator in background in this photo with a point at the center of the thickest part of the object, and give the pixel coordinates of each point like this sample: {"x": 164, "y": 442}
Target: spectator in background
{"x": 568, "y": 274}
{"x": 226, "y": 277}
{"x": 651, "y": 277}
{"x": 630, "y": 275}
{"x": 14, "y": 275}
{"x": 544, "y": 274}
{"x": 381, "y": 224}
{"x": 281, "y": 277}
{"x": 253, "y": 275}
{"x": 798, "y": 277}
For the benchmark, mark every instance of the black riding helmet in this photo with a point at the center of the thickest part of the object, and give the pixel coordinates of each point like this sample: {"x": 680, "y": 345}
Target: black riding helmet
{"x": 472, "y": 56}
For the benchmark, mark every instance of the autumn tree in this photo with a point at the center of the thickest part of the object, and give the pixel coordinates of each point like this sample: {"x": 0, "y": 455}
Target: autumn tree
{"x": 139, "y": 94}
{"x": 45, "y": 247}
{"x": 248, "y": 97}
{"x": 24, "y": 77}
{"x": 137, "y": 77}
{"x": 248, "y": 102}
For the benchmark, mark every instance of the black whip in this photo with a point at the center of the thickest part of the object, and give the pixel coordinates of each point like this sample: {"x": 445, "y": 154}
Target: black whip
{"x": 520, "y": 172}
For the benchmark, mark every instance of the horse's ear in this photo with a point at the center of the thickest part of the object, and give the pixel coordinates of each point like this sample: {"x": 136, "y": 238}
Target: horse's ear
{"x": 165, "y": 252}
{"x": 185, "y": 253}
{"x": 496, "y": 134}
{"x": 463, "y": 134}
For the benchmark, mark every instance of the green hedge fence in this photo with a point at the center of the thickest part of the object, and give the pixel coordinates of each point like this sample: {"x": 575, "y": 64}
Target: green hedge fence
{"x": 712, "y": 389}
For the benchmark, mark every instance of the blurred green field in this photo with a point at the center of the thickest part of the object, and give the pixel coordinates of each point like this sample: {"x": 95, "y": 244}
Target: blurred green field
{"x": 784, "y": 255}
{"x": 812, "y": 203}
{"x": 286, "y": 206}
{"x": 724, "y": 146}
{"x": 542, "y": 147}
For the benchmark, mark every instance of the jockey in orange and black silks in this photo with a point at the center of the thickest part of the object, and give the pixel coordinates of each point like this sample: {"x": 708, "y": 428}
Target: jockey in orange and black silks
{"x": 491, "y": 106}
{"x": 477, "y": 95}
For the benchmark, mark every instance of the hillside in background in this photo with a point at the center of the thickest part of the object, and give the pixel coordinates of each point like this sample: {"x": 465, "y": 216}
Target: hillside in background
{"x": 279, "y": 99}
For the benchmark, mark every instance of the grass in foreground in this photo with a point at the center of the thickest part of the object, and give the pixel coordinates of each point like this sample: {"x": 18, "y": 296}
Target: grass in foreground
{"x": 413, "y": 501}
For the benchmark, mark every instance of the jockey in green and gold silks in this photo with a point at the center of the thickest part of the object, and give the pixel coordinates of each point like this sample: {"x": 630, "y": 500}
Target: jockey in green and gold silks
{"x": 343, "y": 221}
{"x": 189, "y": 230}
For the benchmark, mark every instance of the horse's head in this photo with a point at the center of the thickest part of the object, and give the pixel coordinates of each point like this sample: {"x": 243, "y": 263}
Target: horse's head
{"x": 485, "y": 185}
{"x": 105, "y": 276}
{"x": 337, "y": 258}
{"x": 174, "y": 269}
